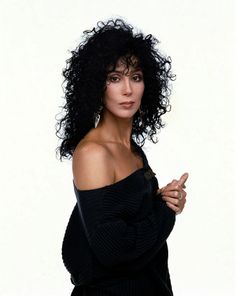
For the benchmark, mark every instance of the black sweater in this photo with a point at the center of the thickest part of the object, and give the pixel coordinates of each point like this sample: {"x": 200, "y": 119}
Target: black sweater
{"x": 115, "y": 241}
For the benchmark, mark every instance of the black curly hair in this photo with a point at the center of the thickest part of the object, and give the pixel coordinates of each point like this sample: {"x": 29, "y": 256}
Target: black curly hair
{"x": 85, "y": 79}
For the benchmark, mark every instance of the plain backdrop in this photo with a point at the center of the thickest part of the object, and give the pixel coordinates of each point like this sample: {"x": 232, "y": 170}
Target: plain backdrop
{"x": 36, "y": 188}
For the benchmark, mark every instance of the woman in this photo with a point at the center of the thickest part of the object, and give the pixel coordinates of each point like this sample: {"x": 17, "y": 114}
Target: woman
{"x": 116, "y": 92}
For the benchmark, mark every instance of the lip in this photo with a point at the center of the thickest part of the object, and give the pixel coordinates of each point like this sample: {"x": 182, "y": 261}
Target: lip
{"x": 127, "y": 103}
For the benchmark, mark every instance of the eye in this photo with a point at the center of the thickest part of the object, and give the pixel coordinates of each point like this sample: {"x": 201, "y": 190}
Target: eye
{"x": 137, "y": 77}
{"x": 113, "y": 78}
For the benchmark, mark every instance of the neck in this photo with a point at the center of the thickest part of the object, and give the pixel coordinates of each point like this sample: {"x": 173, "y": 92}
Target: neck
{"x": 115, "y": 129}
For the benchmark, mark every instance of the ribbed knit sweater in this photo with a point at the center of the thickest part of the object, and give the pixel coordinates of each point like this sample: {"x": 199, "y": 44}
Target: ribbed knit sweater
{"x": 115, "y": 241}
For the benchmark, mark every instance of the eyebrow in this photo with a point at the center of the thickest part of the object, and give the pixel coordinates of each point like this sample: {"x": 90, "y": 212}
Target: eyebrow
{"x": 122, "y": 72}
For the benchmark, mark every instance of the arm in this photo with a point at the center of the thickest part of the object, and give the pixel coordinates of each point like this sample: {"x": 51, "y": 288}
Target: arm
{"x": 116, "y": 241}
{"x": 119, "y": 242}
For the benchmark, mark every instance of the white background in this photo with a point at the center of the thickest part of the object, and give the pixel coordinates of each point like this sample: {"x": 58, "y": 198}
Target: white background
{"x": 36, "y": 189}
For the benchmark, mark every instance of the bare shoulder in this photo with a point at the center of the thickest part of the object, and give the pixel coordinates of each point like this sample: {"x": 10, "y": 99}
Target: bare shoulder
{"x": 92, "y": 166}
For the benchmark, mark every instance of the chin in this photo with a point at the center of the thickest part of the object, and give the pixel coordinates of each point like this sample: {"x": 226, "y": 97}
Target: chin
{"x": 123, "y": 114}
{"x": 126, "y": 116}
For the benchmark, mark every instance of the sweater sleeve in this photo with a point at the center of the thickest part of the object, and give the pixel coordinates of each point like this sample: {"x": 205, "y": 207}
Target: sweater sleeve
{"x": 114, "y": 238}
{"x": 119, "y": 242}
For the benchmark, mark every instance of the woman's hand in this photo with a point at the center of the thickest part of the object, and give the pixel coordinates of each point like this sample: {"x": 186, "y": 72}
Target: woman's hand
{"x": 174, "y": 195}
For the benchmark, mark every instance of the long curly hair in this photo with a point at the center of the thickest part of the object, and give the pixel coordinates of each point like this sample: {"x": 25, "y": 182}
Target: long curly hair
{"x": 86, "y": 74}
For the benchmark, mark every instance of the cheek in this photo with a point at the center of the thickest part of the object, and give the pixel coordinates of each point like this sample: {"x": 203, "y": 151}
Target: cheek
{"x": 110, "y": 95}
{"x": 140, "y": 90}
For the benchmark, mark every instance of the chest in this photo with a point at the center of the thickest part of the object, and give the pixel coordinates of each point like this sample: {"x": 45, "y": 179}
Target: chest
{"x": 126, "y": 162}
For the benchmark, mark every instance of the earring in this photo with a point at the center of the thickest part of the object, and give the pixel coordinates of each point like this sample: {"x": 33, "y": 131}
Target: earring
{"x": 141, "y": 116}
{"x": 98, "y": 116}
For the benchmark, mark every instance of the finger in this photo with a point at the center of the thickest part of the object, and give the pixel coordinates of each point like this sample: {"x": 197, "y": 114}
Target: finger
{"x": 174, "y": 181}
{"x": 165, "y": 187}
{"x": 171, "y": 193}
{"x": 159, "y": 191}
{"x": 169, "y": 186}
{"x": 174, "y": 208}
{"x": 177, "y": 194}
{"x": 173, "y": 186}
{"x": 176, "y": 202}
{"x": 183, "y": 179}
{"x": 173, "y": 201}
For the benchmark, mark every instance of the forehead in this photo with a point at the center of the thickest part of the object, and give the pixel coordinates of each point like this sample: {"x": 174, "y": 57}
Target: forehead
{"x": 125, "y": 65}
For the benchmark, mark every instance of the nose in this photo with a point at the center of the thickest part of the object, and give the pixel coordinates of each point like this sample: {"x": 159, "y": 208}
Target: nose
{"x": 127, "y": 87}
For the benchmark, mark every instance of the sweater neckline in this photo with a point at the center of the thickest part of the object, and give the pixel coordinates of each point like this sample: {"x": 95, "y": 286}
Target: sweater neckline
{"x": 117, "y": 183}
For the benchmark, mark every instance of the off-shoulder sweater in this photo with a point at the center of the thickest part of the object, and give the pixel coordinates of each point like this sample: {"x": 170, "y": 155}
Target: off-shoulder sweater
{"x": 115, "y": 240}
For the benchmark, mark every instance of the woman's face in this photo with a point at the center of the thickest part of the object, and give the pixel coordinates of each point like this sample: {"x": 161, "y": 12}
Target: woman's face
{"x": 124, "y": 90}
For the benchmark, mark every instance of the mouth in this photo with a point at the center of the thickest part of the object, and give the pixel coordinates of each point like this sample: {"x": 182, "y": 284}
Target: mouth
{"x": 127, "y": 103}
